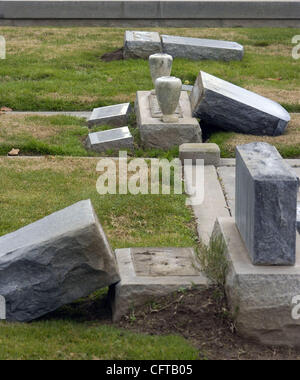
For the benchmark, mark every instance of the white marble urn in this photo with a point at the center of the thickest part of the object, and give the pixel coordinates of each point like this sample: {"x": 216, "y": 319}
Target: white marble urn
{"x": 160, "y": 66}
{"x": 168, "y": 91}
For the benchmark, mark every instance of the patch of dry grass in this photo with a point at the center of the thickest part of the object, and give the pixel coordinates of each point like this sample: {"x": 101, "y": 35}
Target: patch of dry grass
{"x": 278, "y": 95}
{"x": 12, "y": 125}
{"x": 288, "y": 144}
{"x": 52, "y": 68}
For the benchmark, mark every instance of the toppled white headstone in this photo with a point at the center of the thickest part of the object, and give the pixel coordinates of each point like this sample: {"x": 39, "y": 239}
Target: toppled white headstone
{"x": 222, "y": 104}
{"x": 54, "y": 261}
{"x": 140, "y": 44}
{"x": 199, "y": 48}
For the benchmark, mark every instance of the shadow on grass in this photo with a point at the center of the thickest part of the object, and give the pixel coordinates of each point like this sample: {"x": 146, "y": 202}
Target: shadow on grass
{"x": 96, "y": 307}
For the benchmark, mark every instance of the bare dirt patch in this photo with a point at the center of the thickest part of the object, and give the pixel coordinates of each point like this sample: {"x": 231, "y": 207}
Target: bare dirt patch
{"x": 202, "y": 318}
{"x": 116, "y": 55}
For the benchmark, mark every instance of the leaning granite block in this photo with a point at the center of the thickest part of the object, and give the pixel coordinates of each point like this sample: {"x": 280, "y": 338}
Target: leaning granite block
{"x": 157, "y": 134}
{"x": 118, "y": 138}
{"x": 150, "y": 273}
{"x": 199, "y": 48}
{"x": 223, "y": 105}
{"x": 263, "y": 299}
{"x": 116, "y": 115}
{"x": 266, "y": 204}
{"x": 54, "y": 261}
{"x": 139, "y": 44}
{"x": 210, "y": 153}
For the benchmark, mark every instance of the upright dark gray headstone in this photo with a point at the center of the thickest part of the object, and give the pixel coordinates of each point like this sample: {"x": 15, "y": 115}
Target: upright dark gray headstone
{"x": 223, "y": 105}
{"x": 266, "y": 204}
{"x": 54, "y": 261}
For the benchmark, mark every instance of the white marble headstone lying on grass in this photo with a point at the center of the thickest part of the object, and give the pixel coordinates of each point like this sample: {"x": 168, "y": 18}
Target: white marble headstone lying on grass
{"x": 116, "y": 115}
{"x": 112, "y": 139}
{"x": 141, "y": 44}
{"x": 199, "y": 48}
{"x": 54, "y": 261}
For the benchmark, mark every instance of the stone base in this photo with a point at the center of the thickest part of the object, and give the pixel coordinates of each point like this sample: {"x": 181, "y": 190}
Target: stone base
{"x": 260, "y": 297}
{"x": 150, "y": 273}
{"x": 210, "y": 153}
{"x": 155, "y": 133}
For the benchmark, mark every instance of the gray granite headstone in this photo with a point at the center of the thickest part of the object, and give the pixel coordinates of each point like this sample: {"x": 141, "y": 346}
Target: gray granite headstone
{"x": 222, "y": 104}
{"x": 266, "y": 203}
{"x": 199, "y": 48}
{"x": 141, "y": 44}
{"x": 54, "y": 261}
{"x": 116, "y": 115}
{"x": 118, "y": 138}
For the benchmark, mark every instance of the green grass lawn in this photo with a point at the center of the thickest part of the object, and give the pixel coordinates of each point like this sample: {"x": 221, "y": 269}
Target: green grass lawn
{"x": 61, "y": 135}
{"x": 61, "y": 68}
{"x": 53, "y": 69}
{"x": 67, "y": 340}
{"x": 32, "y": 188}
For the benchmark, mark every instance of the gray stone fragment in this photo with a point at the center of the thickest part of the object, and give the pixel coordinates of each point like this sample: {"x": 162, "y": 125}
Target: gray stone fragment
{"x": 261, "y": 298}
{"x": 221, "y": 104}
{"x": 116, "y": 115}
{"x": 266, "y": 202}
{"x": 141, "y": 44}
{"x": 118, "y": 138}
{"x": 298, "y": 217}
{"x": 150, "y": 273}
{"x": 54, "y": 261}
{"x": 157, "y": 134}
{"x": 199, "y": 48}
{"x": 210, "y": 153}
